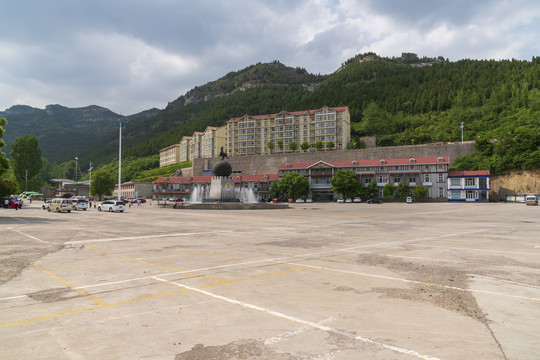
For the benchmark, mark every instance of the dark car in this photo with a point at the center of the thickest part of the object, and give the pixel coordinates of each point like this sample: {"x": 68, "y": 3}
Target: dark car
{"x": 15, "y": 202}
{"x": 374, "y": 201}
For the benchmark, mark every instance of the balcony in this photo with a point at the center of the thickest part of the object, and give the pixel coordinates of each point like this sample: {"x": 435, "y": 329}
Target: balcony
{"x": 320, "y": 186}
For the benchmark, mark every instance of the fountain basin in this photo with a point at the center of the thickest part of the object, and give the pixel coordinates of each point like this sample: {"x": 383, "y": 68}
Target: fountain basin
{"x": 233, "y": 206}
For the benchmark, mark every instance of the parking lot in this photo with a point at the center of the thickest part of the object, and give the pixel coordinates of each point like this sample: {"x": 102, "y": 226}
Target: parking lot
{"x": 316, "y": 281}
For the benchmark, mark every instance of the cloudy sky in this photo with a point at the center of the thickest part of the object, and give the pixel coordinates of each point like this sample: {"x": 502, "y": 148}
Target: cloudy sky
{"x": 132, "y": 55}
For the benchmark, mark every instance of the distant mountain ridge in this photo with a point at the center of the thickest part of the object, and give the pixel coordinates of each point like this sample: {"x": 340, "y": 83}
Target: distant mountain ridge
{"x": 63, "y": 132}
{"x": 404, "y": 100}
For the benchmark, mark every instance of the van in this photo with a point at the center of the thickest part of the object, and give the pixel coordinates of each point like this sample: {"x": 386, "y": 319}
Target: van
{"x": 531, "y": 200}
{"x": 60, "y": 205}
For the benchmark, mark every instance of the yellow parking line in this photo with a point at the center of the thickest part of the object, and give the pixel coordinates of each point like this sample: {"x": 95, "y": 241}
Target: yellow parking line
{"x": 155, "y": 265}
{"x": 70, "y": 285}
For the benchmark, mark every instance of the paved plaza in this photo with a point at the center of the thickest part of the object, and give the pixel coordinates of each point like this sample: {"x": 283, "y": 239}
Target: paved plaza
{"x": 315, "y": 281}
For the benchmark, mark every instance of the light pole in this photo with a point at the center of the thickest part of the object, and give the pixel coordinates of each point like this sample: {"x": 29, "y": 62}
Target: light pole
{"x": 462, "y": 132}
{"x": 26, "y": 179}
{"x": 120, "y": 123}
{"x": 90, "y": 181}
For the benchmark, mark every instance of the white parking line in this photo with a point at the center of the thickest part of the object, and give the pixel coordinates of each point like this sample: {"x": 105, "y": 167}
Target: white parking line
{"x": 300, "y": 321}
{"x": 146, "y": 237}
{"x": 30, "y": 236}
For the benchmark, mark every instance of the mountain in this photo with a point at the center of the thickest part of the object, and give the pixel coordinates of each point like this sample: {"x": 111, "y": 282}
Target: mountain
{"x": 63, "y": 132}
{"x": 403, "y": 100}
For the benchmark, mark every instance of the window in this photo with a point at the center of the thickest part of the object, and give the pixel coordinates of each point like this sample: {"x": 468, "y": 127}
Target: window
{"x": 382, "y": 179}
{"x": 441, "y": 192}
{"x": 397, "y": 179}
{"x": 440, "y": 178}
{"x": 412, "y": 179}
{"x": 471, "y": 194}
{"x": 455, "y": 182}
{"x": 455, "y": 194}
{"x": 470, "y": 181}
{"x": 426, "y": 178}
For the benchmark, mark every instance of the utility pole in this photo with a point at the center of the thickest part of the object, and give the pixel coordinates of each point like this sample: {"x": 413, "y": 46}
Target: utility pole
{"x": 462, "y": 132}
{"x": 26, "y": 178}
{"x": 120, "y": 123}
{"x": 90, "y": 182}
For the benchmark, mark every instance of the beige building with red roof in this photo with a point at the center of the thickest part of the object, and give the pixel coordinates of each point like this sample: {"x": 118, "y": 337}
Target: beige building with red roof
{"x": 212, "y": 140}
{"x": 169, "y": 155}
{"x": 250, "y": 135}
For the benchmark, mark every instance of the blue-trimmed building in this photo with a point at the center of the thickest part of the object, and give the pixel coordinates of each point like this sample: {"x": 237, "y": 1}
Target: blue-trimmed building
{"x": 468, "y": 185}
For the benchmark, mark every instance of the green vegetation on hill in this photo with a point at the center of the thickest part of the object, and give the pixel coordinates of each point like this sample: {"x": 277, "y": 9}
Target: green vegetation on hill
{"x": 403, "y": 101}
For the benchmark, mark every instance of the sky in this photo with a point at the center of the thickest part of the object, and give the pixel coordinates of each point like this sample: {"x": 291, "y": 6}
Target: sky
{"x": 133, "y": 55}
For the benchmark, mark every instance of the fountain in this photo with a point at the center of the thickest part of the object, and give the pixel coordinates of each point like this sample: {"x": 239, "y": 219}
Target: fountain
{"x": 222, "y": 193}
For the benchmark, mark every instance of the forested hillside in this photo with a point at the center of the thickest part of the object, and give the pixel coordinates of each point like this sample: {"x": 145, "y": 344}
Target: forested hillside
{"x": 404, "y": 100}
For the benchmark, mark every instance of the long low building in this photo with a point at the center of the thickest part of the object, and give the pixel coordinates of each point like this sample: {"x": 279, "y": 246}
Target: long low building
{"x": 429, "y": 171}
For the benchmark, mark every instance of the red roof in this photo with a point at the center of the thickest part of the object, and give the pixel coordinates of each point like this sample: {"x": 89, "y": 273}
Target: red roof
{"x": 295, "y": 113}
{"x": 169, "y": 147}
{"x": 208, "y": 179}
{"x": 470, "y": 173}
{"x": 374, "y": 162}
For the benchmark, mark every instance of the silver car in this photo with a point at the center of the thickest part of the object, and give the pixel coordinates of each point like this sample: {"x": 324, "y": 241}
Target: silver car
{"x": 112, "y": 205}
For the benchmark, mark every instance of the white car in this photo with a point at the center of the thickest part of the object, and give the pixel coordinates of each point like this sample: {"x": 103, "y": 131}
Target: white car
{"x": 348, "y": 200}
{"x": 79, "y": 204}
{"x": 357, "y": 200}
{"x": 299, "y": 200}
{"x": 340, "y": 200}
{"x": 308, "y": 200}
{"x": 112, "y": 205}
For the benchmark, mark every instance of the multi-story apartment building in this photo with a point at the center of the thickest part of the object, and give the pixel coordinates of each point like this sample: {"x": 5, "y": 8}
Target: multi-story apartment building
{"x": 184, "y": 148}
{"x": 212, "y": 141}
{"x": 431, "y": 172}
{"x": 250, "y": 135}
{"x": 468, "y": 185}
{"x": 195, "y": 145}
{"x": 169, "y": 155}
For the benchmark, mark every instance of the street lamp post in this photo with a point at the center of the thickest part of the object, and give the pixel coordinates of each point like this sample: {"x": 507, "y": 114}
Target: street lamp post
{"x": 90, "y": 181}
{"x": 462, "y": 132}
{"x": 120, "y": 123}
{"x": 26, "y": 179}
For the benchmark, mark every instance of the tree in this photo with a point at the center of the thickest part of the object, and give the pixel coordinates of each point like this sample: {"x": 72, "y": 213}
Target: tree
{"x": 293, "y": 185}
{"x": 304, "y": 146}
{"x": 8, "y": 188}
{"x": 318, "y": 145}
{"x": 4, "y": 162}
{"x": 403, "y": 190}
{"x": 25, "y": 158}
{"x": 293, "y": 145}
{"x": 270, "y": 145}
{"x": 388, "y": 191}
{"x": 330, "y": 145}
{"x": 280, "y": 145}
{"x": 102, "y": 184}
{"x": 372, "y": 191}
{"x": 420, "y": 191}
{"x": 376, "y": 120}
{"x": 345, "y": 183}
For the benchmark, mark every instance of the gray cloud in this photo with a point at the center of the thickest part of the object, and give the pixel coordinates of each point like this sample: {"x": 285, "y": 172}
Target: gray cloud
{"x": 130, "y": 55}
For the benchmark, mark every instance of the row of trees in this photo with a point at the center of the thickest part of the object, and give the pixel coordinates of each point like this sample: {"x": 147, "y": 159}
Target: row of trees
{"x": 294, "y": 185}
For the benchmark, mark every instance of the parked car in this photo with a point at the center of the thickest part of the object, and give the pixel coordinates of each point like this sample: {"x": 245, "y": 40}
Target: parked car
{"x": 13, "y": 202}
{"x": 409, "y": 199}
{"x": 300, "y": 200}
{"x": 46, "y": 204}
{"x": 357, "y": 200}
{"x": 531, "y": 200}
{"x": 60, "y": 205}
{"x": 308, "y": 200}
{"x": 340, "y": 200}
{"x": 79, "y": 204}
{"x": 143, "y": 200}
{"x": 374, "y": 201}
{"x": 348, "y": 200}
{"x": 290, "y": 200}
{"x": 112, "y": 205}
